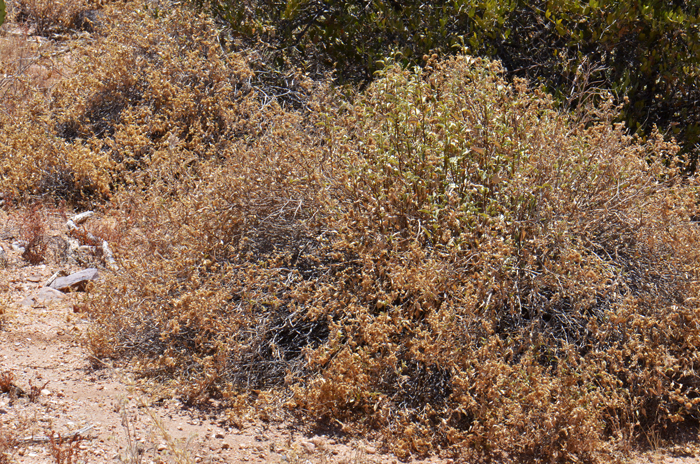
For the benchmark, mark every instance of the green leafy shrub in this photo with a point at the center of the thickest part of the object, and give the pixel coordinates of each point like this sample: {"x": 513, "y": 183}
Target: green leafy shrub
{"x": 648, "y": 51}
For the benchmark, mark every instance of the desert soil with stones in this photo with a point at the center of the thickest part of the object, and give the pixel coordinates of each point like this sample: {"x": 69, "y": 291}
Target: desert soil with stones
{"x": 61, "y": 405}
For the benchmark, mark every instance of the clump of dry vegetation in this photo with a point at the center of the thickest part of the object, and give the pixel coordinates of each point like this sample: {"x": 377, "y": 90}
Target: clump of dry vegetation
{"x": 33, "y": 236}
{"x": 518, "y": 282}
{"x": 442, "y": 257}
{"x": 56, "y": 17}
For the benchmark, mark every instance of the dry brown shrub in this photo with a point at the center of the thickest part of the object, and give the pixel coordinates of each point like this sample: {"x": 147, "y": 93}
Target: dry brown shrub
{"x": 201, "y": 156}
{"x": 147, "y": 82}
{"x": 33, "y": 236}
{"x": 237, "y": 216}
{"x": 456, "y": 264}
{"x": 52, "y": 17}
{"x": 444, "y": 258}
{"x": 65, "y": 451}
{"x": 8, "y": 441}
{"x": 6, "y": 379}
{"x": 98, "y": 127}
{"x": 32, "y": 159}
{"x": 29, "y": 67}
{"x": 513, "y": 268}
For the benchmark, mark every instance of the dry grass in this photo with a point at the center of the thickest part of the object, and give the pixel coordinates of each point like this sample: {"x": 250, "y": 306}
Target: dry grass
{"x": 443, "y": 257}
{"x": 29, "y": 68}
{"x": 64, "y": 451}
{"x": 55, "y": 17}
{"x": 33, "y": 237}
{"x": 10, "y": 433}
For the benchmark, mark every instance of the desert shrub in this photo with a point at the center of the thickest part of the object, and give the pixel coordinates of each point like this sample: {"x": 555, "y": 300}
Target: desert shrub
{"x": 30, "y": 68}
{"x": 33, "y": 161}
{"x": 36, "y": 162}
{"x": 205, "y": 251}
{"x": 166, "y": 86}
{"x": 34, "y": 237}
{"x": 647, "y": 50}
{"x": 147, "y": 83}
{"x": 509, "y": 266}
{"x": 444, "y": 257}
{"x": 202, "y": 155}
{"x": 56, "y": 18}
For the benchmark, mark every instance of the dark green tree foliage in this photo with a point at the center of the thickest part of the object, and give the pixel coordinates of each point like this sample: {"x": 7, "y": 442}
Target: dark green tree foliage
{"x": 646, "y": 50}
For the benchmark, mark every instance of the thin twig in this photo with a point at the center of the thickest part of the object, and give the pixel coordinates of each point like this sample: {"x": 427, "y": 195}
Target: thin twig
{"x": 57, "y": 437}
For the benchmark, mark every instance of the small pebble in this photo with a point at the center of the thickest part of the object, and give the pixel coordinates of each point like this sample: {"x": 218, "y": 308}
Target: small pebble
{"x": 308, "y": 446}
{"x": 318, "y": 441}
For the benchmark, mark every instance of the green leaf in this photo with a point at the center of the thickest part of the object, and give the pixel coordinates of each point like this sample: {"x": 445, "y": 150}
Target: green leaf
{"x": 2, "y": 12}
{"x": 290, "y": 10}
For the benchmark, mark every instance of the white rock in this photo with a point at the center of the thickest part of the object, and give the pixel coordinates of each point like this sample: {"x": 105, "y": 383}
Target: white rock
{"x": 82, "y": 217}
{"x": 77, "y": 281}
